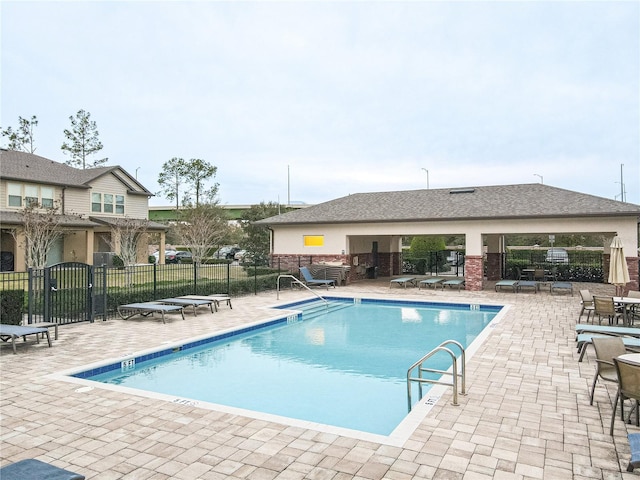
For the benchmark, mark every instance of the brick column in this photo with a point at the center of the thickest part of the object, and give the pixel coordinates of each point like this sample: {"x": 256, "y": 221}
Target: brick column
{"x": 634, "y": 282}
{"x": 494, "y": 270}
{"x": 474, "y": 272}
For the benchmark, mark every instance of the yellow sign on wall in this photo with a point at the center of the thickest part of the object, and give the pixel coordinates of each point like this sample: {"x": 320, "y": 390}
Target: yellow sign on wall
{"x": 313, "y": 240}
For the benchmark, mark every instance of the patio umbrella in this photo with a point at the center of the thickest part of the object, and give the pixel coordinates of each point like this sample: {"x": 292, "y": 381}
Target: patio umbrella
{"x": 618, "y": 270}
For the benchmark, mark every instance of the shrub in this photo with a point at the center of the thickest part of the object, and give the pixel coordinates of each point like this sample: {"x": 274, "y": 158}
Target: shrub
{"x": 11, "y": 302}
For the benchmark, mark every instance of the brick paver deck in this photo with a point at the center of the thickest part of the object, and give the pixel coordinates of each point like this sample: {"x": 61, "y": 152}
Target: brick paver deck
{"x": 526, "y": 414}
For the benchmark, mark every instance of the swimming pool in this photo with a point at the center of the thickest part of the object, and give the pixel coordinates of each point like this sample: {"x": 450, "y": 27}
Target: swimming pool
{"x": 346, "y": 369}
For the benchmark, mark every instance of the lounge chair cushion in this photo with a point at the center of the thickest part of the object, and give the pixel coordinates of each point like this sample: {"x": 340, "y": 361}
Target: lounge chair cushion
{"x": 634, "y": 444}
{"x": 32, "y": 469}
{"x": 458, "y": 282}
{"x": 309, "y": 280}
{"x": 559, "y": 286}
{"x": 404, "y": 281}
{"x": 13, "y": 332}
{"x": 513, "y": 284}
{"x": 434, "y": 282}
{"x": 528, "y": 284}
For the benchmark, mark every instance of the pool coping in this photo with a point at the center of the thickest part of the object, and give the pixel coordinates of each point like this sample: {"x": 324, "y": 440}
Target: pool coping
{"x": 397, "y": 437}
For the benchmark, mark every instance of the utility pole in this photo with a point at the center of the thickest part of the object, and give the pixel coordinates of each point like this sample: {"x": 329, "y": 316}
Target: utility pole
{"x": 288, "y": 187}
{"x": 427, "y": 171}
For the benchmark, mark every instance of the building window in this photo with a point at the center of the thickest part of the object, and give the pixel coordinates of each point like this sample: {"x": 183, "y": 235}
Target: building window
{"x": 96, "y": 202}
{"x": 313, "y": 240}
{"x": 33, "y": 195}
{"x": 107, "y": 203}
{"x": 14, "y": 191}
{"x": 46, "y": 197}
{"x": 120, "y": 204}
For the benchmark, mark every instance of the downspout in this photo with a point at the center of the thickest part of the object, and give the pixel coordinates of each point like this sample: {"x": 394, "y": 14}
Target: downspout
{"x": 271, "y": 234}
{"x": 62, "y": 200}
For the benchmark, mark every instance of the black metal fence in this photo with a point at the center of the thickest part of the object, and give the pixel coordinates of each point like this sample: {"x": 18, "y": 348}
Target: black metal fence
{"x": 580, "y": 266}
{"x": 444, "y": 262}
{"x": 74, "y": 292}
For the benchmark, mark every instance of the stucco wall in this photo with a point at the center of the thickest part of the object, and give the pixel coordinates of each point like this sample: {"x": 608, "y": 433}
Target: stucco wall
{"x": 289, "y": 239}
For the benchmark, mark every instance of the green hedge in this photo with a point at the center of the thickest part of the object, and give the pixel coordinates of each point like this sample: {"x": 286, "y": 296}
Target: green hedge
{"x": 11, "y": 302}
{"x": 123, "y": 296}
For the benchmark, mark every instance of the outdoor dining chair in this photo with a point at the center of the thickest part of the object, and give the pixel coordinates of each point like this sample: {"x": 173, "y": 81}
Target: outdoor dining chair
{"x": 607, "y": 348}
{"x": 628, "y": 388}
{"x": 604, "y": 307}
{"x": 586, "y": 303}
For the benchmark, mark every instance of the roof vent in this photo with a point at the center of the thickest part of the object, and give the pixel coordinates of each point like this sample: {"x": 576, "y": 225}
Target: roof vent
{"x": 462, "y": 190}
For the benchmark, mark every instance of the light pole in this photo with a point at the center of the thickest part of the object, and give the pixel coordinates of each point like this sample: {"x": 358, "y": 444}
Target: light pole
{"x": 427, "y": 171}
{"x": 541, "y": 179}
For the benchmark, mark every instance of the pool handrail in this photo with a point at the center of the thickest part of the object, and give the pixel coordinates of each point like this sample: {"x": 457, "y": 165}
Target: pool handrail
{"x": 453, "y": 373}
{"x": 296, "y": 280}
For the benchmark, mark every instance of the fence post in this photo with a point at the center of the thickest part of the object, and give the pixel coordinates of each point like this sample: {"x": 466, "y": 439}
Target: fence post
{"x": 91, "y": 281}
{"x": 195, "y": 277}
{"x": 47, "y": 294}
{"x": 155, "y": 280}
{"x": 30, "y": 295}
{"x": 228, "y": 278}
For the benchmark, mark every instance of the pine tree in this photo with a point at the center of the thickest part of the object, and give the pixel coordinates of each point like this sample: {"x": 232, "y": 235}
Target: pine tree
{"x": 21, "y": 139}
{"x": 82, "y": 141}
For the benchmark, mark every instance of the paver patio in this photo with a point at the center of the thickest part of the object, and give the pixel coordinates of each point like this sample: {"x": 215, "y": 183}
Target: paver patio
{"x": 526, "y": 414}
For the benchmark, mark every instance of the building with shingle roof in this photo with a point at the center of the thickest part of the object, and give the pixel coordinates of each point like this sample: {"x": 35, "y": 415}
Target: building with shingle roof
{"x": 365, "y": 230}
{"x": 89, "y": 204}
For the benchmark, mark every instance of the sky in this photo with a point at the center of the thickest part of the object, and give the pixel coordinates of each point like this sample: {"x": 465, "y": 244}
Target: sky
{"x": 307, "y": 101}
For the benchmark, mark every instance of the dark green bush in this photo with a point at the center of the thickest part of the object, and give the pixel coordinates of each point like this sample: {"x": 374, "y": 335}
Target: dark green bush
{"x": 117, "y": 261}
{"x": 213, "y": 261}
{"x": 11, "y": 302}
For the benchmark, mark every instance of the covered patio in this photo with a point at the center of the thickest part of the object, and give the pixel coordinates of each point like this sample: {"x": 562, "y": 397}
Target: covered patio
{"x": 365, "y": 230}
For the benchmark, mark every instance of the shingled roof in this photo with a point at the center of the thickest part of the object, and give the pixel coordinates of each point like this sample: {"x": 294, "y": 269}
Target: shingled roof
{"x": 28, "y": 167}
{"x": 469, "y": 203}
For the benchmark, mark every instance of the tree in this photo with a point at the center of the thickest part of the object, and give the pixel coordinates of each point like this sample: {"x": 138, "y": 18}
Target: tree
{"x": 427, "y": 250}
{"x": 21, "y": 139}
{"x": 197, "y": 173}
{"x": 257, "y": 241}
{"x": 170, "y": 179}
{"x": 193, "y": 173}
{"x": 200, "y": 227}
{"x": 40, "y": 230}
{"x": 125, "y": 237}
{"x": 82, "y": 141}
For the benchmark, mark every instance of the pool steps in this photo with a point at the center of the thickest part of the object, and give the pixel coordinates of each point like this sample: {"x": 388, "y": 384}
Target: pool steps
{"x": 316, "y": 309}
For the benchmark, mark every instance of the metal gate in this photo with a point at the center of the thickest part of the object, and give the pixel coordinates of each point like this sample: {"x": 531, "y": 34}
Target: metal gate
{"x": 61, "y": 293}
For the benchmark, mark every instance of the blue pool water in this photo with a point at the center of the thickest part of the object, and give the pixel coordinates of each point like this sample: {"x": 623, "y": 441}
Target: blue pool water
{"x": 345, "y": 368}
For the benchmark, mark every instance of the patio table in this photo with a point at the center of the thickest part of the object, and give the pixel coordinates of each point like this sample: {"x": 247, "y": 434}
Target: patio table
{"x": 626, "y": 303}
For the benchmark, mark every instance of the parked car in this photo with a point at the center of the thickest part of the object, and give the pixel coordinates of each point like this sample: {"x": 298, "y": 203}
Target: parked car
{"x": 455, "y": 258}
{"x": 169, "y": 256}
{"x": 557, "y": 255}
{"x": 227, "y": 252}
{"x": 183, "y": 256}
{"x": 240, "y": 255}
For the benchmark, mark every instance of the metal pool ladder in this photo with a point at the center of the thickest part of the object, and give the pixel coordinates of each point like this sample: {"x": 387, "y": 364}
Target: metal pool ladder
{"x": 419, "y": 365}
{"x": 295, "y": 280}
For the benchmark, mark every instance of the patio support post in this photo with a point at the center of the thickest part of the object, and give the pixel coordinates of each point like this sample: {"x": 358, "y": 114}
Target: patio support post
{"x": 494, "y": 257}
{"x": 474, "y": 262}
{"x": 474, "y": 273}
